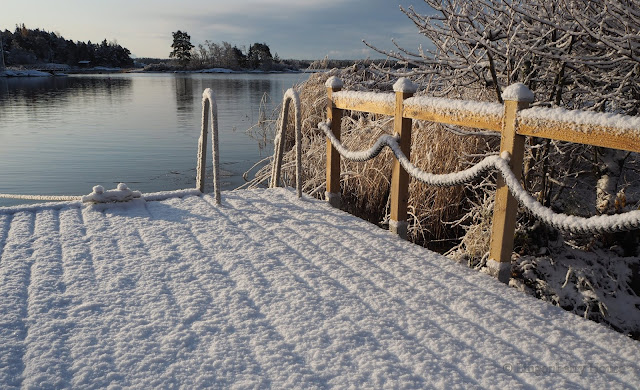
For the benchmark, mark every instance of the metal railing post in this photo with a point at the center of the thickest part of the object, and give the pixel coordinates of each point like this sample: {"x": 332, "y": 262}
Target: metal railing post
{"x": 290, "y": 95}
{"x": 209, "y": 109}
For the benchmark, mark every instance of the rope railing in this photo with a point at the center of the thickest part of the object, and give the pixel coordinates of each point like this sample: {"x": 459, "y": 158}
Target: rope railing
{"x": 290, "y": 96}
{"x": 513, "y": 120}
{"x": 100, "y": 195}
{"x": 47, "y": 198}
{"x": 575, "y": 224}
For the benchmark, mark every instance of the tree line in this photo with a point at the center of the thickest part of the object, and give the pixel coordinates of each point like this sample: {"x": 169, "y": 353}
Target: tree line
{"x": 27, "y": 46}
{"x": 224, "y": 55}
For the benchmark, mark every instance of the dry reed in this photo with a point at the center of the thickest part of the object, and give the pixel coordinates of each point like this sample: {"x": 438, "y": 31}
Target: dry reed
{"x": 456, "y": 219}
{"x": 434, "y": 213}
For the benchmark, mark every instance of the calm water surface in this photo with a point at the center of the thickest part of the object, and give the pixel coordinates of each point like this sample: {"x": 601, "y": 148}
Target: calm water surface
{"x": 63, "y": 135}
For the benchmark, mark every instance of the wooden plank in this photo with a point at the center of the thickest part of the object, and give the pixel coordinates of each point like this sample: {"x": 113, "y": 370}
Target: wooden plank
{"x": 570, "y": 132}
{"x": 460, "y": 118}
{"x": 400, "y": 177}
{"x": 505, "y": 208}
{"x": 334, "y": 114}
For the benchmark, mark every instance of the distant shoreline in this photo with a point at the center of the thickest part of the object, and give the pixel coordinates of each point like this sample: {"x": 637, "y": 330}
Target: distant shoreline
{"x": 11, "y": 73}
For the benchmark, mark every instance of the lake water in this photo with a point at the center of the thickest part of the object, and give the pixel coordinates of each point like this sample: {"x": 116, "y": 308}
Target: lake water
{"x": 63, "y": 135}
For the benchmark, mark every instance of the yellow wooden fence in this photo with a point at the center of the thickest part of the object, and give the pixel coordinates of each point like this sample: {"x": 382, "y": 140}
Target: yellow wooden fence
{"x": 514, "y": 120}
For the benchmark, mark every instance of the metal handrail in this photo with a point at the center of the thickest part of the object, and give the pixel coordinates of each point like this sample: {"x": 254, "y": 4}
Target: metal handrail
{"x": 209, "y": 111}
{"x": 289, "y": 96}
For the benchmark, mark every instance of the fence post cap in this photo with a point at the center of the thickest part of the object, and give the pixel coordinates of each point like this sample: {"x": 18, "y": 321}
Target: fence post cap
{"x": 405, "y": 85}
{"x": 334, "y": 82}
{"x": 518, "y": 92}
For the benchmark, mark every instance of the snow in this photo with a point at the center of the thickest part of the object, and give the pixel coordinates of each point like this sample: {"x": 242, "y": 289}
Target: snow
{"x": 216, "y": 70}
{"x": 334, "y": 83}
{"x": 497, "y": 265}
{"x": 23, "y": 73}
{"x": 500, "y": 270}
{"x": 353, "y": 98}
{"x": 106, "y": 68}
{"x": 518, "y": 92}
{"x": 585, "y": 121}
{"x": 405, "y": 85}
{"x": 455, "y": 107}
{"x": 268, "y": 290}
{"x": 121, "y": 194}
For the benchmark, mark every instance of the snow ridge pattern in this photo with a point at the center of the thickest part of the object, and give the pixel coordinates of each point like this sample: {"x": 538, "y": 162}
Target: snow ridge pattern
{"x": 270, "y": 291}
{"x": 595, "y": 224}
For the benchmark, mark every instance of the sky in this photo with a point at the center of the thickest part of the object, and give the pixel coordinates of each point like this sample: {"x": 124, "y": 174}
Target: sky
{"x": 294, "y": 29}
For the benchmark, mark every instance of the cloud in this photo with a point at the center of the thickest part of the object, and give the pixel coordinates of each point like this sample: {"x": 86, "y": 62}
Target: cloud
{"x": 294, "y": 29}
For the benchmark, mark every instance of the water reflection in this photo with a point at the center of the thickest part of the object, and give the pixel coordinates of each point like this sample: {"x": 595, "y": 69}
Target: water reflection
{"x": 55, "y": 90}
{"x": 184, "y": 93}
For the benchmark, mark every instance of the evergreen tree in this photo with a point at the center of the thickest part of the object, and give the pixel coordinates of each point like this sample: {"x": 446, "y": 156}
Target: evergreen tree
{"x": 259, "y": 56}
{"x": 26, "y": 46}
{"x": 241, "y": 59}
{"x": 181, "y": 47}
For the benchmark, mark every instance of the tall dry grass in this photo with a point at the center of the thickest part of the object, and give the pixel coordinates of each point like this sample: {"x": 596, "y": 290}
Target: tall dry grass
{"x": 457, "y": 220}
{"x": 436, "y": 215}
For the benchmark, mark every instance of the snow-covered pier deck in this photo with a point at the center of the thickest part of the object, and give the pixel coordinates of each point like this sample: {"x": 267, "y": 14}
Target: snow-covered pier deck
{"x": 268, "y": 290}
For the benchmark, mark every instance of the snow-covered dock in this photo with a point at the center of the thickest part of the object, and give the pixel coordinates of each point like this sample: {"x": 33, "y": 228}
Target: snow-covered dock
{"x": 268, "y": 290}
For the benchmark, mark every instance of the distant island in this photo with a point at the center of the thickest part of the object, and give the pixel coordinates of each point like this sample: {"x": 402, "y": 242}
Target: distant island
{"x": 37, "y": 52}
{"x": 29, "y": 47}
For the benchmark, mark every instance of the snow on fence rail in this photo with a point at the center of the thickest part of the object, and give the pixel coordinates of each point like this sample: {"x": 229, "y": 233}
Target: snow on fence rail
{"x": 514, "y": 120}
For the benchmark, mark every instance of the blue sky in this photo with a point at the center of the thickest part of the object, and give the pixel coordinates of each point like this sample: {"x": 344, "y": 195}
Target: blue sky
{"x": 302, "y": 29}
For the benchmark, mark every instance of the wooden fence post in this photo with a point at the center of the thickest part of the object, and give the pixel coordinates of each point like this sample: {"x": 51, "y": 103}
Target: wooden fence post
{"x": 404, "y": 89}
{"x": 516, "y": 97}
{"x": 332, "y": 194}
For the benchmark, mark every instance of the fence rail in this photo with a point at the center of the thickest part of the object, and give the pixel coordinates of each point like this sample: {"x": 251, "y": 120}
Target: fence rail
{"x": 514, "y": 120}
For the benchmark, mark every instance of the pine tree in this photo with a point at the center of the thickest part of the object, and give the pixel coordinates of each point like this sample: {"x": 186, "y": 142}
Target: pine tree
{"x": 181, "y": 47}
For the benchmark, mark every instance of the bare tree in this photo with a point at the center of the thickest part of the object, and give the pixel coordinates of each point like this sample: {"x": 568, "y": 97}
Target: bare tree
{"x": 575, "y": 53}
{"x": 579, "y": 54}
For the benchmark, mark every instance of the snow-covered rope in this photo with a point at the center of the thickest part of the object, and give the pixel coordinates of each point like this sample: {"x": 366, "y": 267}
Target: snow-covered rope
{"x": 595, "y": 224}
{"x": 575, "y": 224}
{"x": 100, "y": 195}
{"x": 442, "y": 180}
{"x": 289, "y": 96}
{"x": 48, "y": 198}
{"x": 363, "y": 155}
